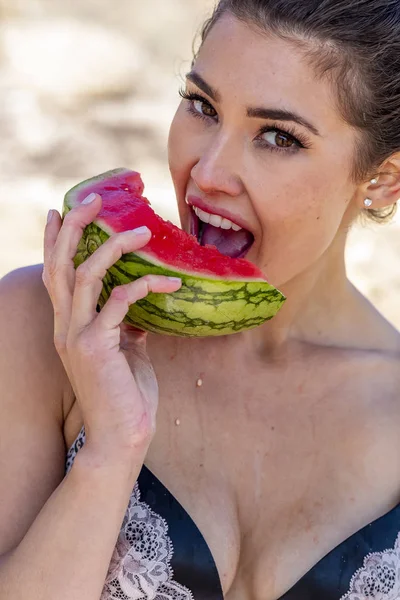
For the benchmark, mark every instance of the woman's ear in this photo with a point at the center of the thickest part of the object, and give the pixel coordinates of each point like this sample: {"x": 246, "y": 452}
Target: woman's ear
{"x": 384, "y": 189}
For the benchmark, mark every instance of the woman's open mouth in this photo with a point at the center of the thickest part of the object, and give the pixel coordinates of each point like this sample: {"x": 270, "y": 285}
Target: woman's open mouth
{"x": 230, "y": 239}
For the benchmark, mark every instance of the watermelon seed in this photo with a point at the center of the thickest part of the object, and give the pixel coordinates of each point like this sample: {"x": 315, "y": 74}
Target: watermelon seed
{"x": 177, "y": 422}
{"x": 199, "y": 383}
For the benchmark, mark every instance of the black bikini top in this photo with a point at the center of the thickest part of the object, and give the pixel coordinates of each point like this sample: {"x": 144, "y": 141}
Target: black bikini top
{"x": 161, "y": 554}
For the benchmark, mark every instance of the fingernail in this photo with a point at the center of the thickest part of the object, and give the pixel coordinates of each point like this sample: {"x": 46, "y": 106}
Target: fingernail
{"x": 49, "y": 216}
{"x": 141, "y": 230}
{"x": 175, "y": 279}
{"x": 89, "y": 198}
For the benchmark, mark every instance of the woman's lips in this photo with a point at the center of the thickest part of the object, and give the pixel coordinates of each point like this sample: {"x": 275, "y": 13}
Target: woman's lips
{"x": 235, "y": 244}
{"x": 237, "y": 219}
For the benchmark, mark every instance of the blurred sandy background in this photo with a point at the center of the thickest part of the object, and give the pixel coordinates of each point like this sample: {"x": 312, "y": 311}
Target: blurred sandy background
{"x": 90, "y": 85}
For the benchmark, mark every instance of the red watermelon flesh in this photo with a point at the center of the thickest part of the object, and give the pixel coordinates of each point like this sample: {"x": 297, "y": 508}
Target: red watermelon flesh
{"x": 124, "y": 208}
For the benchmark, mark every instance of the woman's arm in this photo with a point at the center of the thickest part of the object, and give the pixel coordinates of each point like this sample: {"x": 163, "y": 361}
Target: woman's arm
{"x": 56, "y": 535}
{"x": 67, "y": 550}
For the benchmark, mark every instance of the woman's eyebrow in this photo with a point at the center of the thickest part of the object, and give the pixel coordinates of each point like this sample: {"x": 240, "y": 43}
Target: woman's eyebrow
{"x": 203, "y": 85}
{"x": 277, "y": 114}
{"x": 280, "y": 114}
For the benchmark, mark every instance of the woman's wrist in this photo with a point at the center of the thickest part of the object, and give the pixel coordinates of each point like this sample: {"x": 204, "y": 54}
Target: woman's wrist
{"x": 111, "y": 462}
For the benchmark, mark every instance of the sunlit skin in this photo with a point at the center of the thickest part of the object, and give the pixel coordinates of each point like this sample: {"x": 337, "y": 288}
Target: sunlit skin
{"x": 298, "y": 202}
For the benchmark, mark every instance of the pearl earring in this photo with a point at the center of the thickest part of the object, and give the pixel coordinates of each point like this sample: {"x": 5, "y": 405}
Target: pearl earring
{"x": 368, "y": 201}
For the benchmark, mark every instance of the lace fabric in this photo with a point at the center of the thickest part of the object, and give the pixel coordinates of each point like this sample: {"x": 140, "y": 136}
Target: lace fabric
{"x": 378, "y": 578}
{"x": 140, "y": 567}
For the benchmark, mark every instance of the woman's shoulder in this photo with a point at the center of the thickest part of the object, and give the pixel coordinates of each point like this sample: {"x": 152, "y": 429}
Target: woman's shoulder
{"x": 28, "y": 326}
{"x": 369, "y": 329}
{"x": 370, "y": 368}
{"x": 367, "y": 348}
{"x": 378, "y": 358}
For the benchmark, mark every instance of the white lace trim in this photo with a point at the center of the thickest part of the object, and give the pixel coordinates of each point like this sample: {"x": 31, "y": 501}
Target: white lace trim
{"x": 378, "y": 578}
{"x": 140, "y": 567}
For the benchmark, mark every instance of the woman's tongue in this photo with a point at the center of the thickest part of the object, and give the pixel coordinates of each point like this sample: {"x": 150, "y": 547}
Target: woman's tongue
{"x": 229, "y": 242}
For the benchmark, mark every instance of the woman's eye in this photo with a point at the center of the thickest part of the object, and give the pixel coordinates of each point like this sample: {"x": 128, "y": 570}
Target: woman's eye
{"x": 204, "y": 108}
{"x": 279, "y": 139}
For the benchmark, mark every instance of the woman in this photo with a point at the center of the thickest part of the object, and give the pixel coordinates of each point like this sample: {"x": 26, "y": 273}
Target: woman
{"x": 281, "y": 444}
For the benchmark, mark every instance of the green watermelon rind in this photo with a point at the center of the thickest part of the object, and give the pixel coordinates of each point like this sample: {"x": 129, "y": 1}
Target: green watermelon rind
{"x": 201, "y": 307}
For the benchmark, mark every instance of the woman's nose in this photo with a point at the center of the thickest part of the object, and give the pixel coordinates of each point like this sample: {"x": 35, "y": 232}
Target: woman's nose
{"x": 215, "y": 170}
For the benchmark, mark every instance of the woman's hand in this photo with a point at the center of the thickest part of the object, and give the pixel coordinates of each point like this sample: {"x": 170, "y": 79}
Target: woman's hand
{"x": 105, "y": 360}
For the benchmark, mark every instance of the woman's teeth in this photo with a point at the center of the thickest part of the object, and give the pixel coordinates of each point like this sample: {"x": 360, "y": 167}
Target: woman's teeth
{"x": 215, "y": 220}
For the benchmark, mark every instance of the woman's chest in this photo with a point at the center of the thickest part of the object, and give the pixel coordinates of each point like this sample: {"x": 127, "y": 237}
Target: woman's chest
{"x": 273, "y": 483}
{"x": 272, "y": 474}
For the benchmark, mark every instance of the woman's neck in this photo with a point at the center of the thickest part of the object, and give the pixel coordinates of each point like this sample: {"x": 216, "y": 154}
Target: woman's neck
{"x": 323, "y": 308}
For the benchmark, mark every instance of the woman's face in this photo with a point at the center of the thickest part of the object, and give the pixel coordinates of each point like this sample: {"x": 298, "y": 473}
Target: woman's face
{"x": 286, "y": 182}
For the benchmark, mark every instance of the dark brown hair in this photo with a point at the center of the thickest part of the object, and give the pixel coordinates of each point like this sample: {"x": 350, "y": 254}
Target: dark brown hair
{"x": 354, "y": 43}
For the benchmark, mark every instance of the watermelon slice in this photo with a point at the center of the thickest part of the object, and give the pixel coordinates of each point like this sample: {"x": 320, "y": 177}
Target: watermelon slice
{"x": 219, "y": 295}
